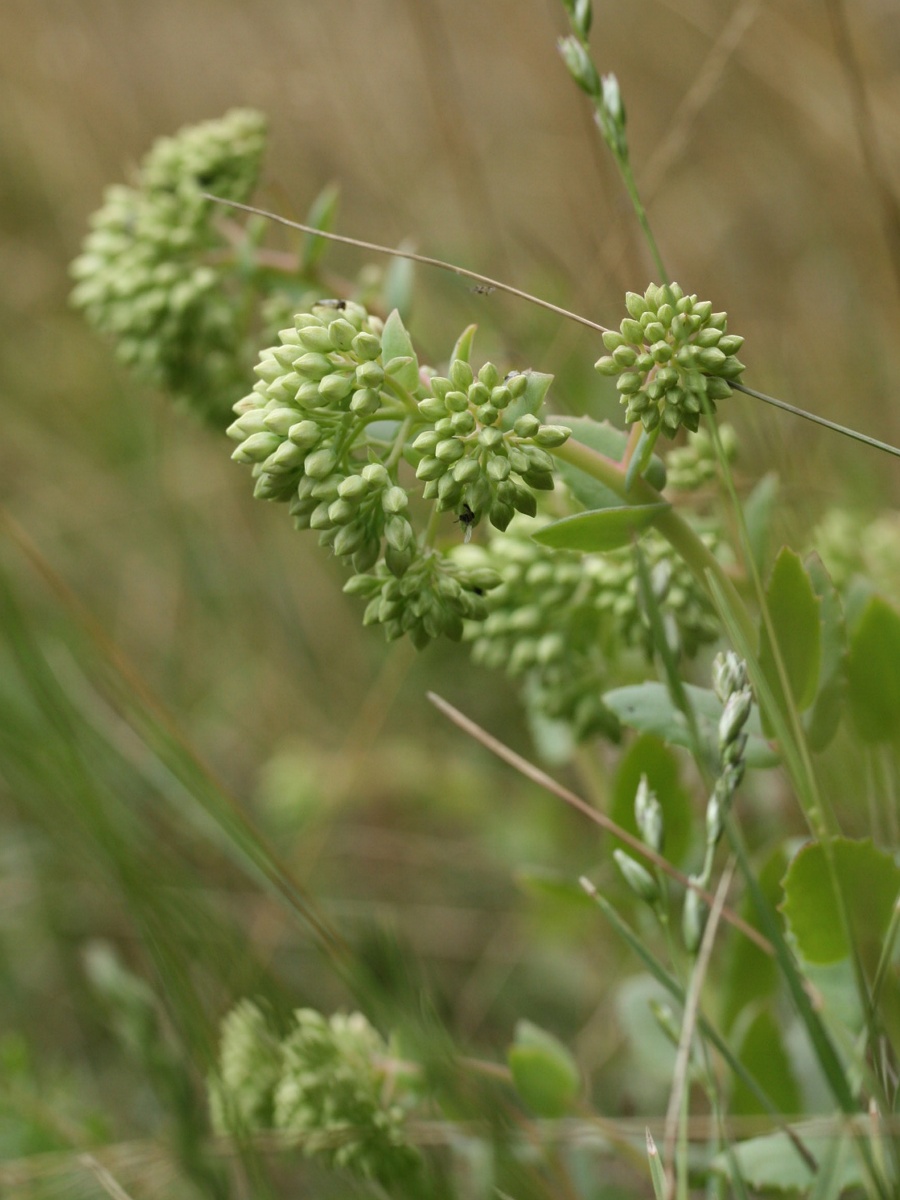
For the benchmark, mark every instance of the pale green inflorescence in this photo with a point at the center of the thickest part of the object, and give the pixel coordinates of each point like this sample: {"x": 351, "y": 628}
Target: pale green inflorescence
{"x": 301, "y": 427}
{"x": 559, "y": 620}
{"x": 154, "y": 272}
{"x": 325, "y": 1084}
{"x": 474, "y": 455}
{"x": 673, "y": 357}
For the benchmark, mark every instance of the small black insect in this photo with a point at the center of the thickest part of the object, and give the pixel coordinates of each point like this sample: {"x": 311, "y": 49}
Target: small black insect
{"x": 338, "y": 304}
{"x": 467, "y": 519}
{"x": 483, "y": 289}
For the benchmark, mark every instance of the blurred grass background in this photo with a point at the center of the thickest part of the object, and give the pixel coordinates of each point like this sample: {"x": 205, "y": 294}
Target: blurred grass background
{"x": 452, "y": 124}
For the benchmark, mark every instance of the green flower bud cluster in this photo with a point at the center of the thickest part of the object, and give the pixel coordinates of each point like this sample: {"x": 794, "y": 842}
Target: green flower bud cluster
{"x": 477, "y": 456}
{"x": 559, "y": 619}
{"x": 325, "y": 1083}
{"x": 434, "y": 598}
{"x": 152, "y": 274}
{"x": 298, "y": 429}
{"x": 693, "y": 465}
{"x": 673, "y": 357}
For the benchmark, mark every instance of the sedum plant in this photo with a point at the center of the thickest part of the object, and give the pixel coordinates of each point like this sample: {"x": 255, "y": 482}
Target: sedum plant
{"x": 582, "y": 563}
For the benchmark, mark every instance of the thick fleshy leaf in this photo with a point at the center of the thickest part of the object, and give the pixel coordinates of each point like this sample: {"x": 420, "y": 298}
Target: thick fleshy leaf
{"x": 544, "y": 1072}
{"x": 823, "y": 718}
{"x": 873, "y": 672}
{"x": 611, "y": 443}
{"x": 600, "y": 530}
{"x": 870, "y": 884}
{"x": 397, "y": 344}
{"x": 650, "y": 757}
{"x": 648, "y": 707}
{"x": 793, "y": 608}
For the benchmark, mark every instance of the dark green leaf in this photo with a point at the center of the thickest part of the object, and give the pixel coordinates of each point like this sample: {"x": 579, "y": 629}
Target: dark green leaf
{"x": 793, "y": 609}
{"x": 873, "y": 672}
{"x": 870, "y": 883}
{"x": 763, "y": 1054}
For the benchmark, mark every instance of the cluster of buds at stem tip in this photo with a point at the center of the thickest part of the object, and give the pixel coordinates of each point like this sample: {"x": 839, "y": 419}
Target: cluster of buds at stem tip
{"x": 673, "y": 357}
{"x": 478, "y": 457}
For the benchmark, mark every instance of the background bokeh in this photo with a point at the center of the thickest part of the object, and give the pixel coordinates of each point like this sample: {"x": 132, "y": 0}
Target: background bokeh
{"x": 450, "y": 124}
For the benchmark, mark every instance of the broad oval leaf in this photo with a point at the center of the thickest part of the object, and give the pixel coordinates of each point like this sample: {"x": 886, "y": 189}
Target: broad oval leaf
{"x": 599, "y": 530}
{"x": 648, "y": 708}
{"x": 870, "y": 884}
{"x": 793, "y": 608}
{"x": 873, "y": 672}
{"x": 544, "y": 1072}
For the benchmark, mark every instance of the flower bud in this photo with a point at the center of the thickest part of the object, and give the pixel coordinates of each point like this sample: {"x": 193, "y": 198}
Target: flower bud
{"x": 579, "y": 65}
{"x": 638, "y": 878}
{"x": 734, "y": 717}
{"x": 693, "y": 920}
{"x": 648, "y": 816}
{"x": 461, "y": 375}
{"x": 257, "y": 447}
{"x": 527, "y": 426}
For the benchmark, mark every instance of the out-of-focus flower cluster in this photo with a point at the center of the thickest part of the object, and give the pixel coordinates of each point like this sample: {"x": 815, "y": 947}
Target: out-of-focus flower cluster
{"x": 153, "y": 274}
